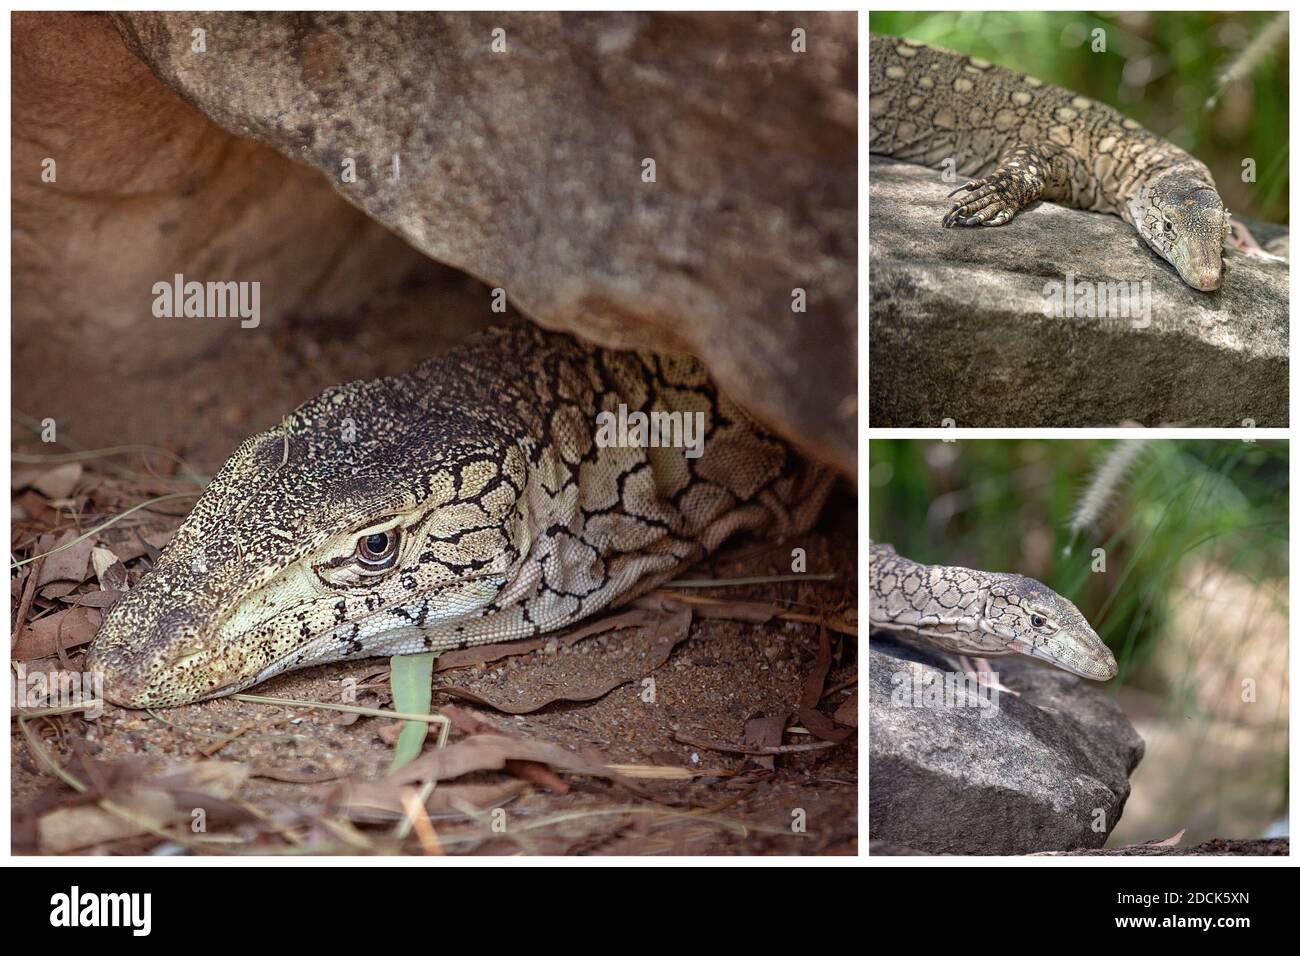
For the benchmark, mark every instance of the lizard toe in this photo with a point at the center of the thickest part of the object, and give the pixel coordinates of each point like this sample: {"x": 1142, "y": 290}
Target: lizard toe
{"x": 977, "y": 209}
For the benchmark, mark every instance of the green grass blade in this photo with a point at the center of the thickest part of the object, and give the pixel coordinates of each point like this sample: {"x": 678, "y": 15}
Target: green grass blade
{"x": 412, "y": 686}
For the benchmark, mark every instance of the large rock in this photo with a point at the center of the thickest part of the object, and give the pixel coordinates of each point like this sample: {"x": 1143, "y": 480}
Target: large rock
{"x": 145, "y": 186}
{"x": 524, "y": 168}
{"x": 118, "y": 183}
{"x": 1032, "y": 773}
{"x": 958, "y": 329}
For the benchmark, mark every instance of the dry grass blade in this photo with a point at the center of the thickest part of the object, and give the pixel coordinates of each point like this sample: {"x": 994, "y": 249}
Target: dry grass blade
{"x": 350, "y": 709}
{"x": 107, "y": 524}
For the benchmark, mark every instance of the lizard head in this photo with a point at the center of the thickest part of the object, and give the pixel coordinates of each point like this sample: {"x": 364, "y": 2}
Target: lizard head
{"x": 346, "y": 531}
{"x": 1037, "y": 621}
{"x": 1182, "y": 218}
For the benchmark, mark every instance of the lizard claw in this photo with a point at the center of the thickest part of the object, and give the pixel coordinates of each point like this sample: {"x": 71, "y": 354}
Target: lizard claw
{"x": 988, "y": 204}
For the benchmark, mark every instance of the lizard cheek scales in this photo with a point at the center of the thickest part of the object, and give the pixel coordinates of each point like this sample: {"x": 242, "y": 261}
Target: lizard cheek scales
{"x": 466, "y": 502}
{"x": 1026, "y": 140}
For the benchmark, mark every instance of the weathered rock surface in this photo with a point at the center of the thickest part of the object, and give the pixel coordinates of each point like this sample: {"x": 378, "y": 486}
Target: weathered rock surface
{"x": 958, "y": 330}
{"x": 1031, "y": 773}
{"x": 1279, "y": 846}
{"x": 524, "y": 168}
{"x": 144, "y": 187}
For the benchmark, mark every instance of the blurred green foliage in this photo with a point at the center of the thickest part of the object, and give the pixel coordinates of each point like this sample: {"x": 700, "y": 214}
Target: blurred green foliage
{"x": 1162, "y": 69}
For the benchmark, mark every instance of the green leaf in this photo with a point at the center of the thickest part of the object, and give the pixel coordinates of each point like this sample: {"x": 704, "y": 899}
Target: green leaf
{"x": 412, "y": 685}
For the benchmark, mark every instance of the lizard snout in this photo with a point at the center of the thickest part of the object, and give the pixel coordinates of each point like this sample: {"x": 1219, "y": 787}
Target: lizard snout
{"x": 126, "y": 658}
{"x": 1203, "y": 278}
{"x": 1199, "y": 266}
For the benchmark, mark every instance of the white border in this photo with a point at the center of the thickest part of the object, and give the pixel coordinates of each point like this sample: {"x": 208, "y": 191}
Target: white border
{"x": 864, "y": 434}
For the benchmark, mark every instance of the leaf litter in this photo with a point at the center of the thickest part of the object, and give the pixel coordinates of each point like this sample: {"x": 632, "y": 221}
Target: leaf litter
{"x": 574, "y": 738}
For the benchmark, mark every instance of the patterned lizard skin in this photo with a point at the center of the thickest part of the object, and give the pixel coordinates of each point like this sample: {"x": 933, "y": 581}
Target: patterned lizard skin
{"x": 964, "y": 611}
{"x": 466, "y": 502}
{"x": 1023, "y": 139}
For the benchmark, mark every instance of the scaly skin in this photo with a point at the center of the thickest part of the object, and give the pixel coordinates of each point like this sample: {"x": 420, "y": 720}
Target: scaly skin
{"x": 964, "y": 611}
{"x": 466, "y": 502}
{"x": 1023, "y": 139}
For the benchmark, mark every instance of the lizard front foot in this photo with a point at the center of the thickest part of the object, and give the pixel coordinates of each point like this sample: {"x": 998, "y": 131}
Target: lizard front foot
{"x": 995, "y": 199}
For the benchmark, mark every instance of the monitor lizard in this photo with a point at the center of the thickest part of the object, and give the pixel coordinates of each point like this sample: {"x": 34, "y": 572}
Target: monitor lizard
{"x": 961, "y": 611}
{"x": 470, "y": 501}
{"x": 1023, "y": 140}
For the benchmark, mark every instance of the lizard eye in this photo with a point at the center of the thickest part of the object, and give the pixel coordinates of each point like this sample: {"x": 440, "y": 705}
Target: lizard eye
{"x": 1169, "y": 226}
{"x": 1037, "y": 621}
{"x": 379, "y": 550}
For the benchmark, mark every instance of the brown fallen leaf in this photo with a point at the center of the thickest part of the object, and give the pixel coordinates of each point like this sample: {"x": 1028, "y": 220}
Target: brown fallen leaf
{"x": 307, "y": 775}
{"x": 109, "y": 570}
{"x": 761, "y": 733}
{"x": 847, "y": 712}
{"x": 537, "y": 773}
{"x": 137, "y": 805}
{"x": 821, "y": 726}
{"x": 380, "y": 801}
{"x": 132, "y": 544}
{"x": 66, "y": 629}
{"x": 645, "y": 649}
{"x": 74, "y": 828}
{"x": 474, "y": 754}
{"x": 70, "y": 564}
{"x": 59, "y": 589}
{"x": 52, "y": 482}
{"x": 1174, "y": 840}
{"x": 33, "y": 506}
{"x": 97, "y": 599}
{"x": 492, "y": 752}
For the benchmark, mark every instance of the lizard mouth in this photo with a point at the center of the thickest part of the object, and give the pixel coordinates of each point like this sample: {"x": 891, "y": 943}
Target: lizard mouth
{"x": 1199, "y": 268}
{"x": 1101, "y": 665}
{"x": 1201, "y": 278}
{"x": 203, "y": 672}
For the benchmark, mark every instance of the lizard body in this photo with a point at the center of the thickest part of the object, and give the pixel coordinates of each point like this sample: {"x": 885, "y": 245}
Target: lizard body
{"x": 983, "y": 614}
{"x": 1023, "y": 140}
{"x": 470, "y": 501}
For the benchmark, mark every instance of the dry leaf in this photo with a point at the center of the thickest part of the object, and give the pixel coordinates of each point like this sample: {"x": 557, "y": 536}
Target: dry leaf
{"x": 70, "y": 564}
{"x": 66, "y": 629}
{"x": 99, "y": 599}
{"x": 74, "y": 828}
{"x": 647, "y": 647}
{"x": 762, "y": 732}
{"x": 57, "y": 482}
{"x": 110, "y": 571}
{"x": 380, "y": 801}
{"x": 821, "y": 726}
{"x": 847, "y": 712}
